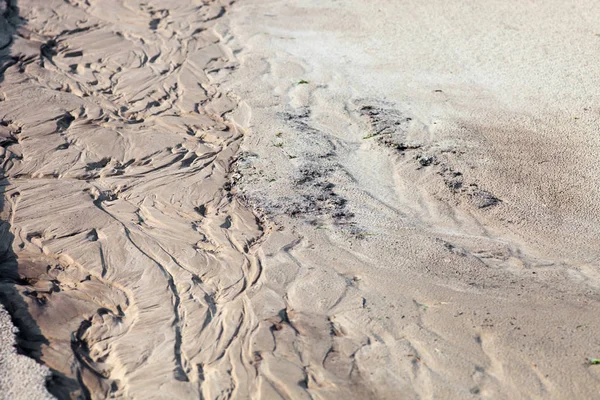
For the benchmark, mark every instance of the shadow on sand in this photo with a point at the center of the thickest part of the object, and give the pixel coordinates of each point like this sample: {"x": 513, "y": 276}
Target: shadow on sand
{"x": 16, "y": 282}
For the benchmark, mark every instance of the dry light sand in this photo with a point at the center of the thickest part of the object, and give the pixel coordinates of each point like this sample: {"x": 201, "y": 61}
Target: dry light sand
{"x": 300, "y": 199}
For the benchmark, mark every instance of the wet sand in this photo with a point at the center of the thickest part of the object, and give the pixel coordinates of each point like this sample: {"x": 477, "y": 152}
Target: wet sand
{"x": 304, "y": 199}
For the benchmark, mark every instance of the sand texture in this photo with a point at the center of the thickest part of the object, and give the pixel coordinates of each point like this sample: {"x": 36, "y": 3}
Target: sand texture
{"x": 302, "y": 199}
{"x": 21, "y": 378}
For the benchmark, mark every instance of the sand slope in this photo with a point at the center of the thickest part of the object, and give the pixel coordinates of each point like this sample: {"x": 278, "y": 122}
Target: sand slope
{"x": 448, "y": 153}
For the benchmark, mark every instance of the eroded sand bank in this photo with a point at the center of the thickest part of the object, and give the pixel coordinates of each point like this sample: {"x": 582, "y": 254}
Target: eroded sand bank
{"x": 303, "y": 199}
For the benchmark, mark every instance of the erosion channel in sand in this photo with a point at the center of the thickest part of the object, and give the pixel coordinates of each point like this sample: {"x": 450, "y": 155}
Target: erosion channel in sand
{"x": 131, "y": 260}
{"x": 302, "y": 199}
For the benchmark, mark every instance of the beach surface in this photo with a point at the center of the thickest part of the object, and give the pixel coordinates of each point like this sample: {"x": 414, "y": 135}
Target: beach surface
{"x": 300, "y": 199}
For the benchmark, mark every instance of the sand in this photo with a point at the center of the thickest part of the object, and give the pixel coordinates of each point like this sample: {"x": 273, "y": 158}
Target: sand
{"x": 21, "y": 377}
{"x": 302, "y": 199}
